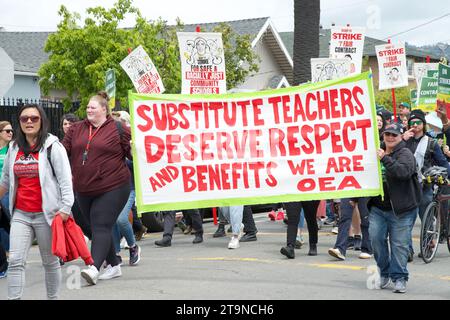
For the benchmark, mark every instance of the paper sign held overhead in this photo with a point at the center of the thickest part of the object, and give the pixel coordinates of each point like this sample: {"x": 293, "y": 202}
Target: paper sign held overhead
{"x": 142, "y": 72}
{"x": 202, "y": 63}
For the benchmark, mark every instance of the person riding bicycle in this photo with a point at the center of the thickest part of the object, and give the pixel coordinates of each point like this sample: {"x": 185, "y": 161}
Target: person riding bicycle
{"x": 427, "y": 152}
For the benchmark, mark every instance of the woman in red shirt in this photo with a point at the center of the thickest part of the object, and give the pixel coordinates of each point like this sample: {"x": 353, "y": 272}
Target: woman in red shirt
{"x": 40, "y": 186}
{"x": 101, "y": 179}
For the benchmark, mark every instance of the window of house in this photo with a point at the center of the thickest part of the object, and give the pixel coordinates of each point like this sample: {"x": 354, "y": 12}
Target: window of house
{"x": 410, "y": 66}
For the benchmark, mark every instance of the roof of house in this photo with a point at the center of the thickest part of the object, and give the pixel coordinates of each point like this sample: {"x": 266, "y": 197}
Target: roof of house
{"x": 369, "y": 45}
{"x": 26, "y": 49}
{"x": 251, "y": 27}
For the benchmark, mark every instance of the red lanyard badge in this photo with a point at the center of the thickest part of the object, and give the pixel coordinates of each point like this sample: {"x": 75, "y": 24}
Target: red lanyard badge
{"x": 88, "y": 145}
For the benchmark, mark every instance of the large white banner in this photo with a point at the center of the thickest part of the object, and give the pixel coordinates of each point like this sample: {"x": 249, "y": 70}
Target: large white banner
{"x": 202, "y": 63}
{"x": 348, "y": 43}
{"x": 316, "y": 141}
{"x": 392, "y": 69}
{"x": 323, "y": 69}
{"x": 142, "y": 72}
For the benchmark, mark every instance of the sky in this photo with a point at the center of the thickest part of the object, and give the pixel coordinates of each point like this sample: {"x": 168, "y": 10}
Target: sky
{"x": 382, "y": 18}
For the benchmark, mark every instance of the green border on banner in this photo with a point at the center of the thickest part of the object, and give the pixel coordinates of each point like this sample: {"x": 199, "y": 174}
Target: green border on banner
{"x": 132, "y": 96}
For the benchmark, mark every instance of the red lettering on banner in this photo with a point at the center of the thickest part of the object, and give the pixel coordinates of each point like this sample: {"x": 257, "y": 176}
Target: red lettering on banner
{"x": 350, "y": 183}
{"x": 257, "y": 121}
{"x": 154, "y": 141}
{"x": 306, "y": 185}
{"x": 343, "y": 163}
{"x": 164, "y": 176}
{"x": 276, "y": 137}
{"x": 141, "y": 111}
{"x": 227, "y": 176}
{"x": 326, "y": 184}
{"x": 304, "y": 167}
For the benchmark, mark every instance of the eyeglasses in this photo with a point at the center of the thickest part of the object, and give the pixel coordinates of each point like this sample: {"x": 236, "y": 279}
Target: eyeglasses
{"x": 34, "y": 119}
{"x": 416, "y": 122}
{"x": 390, "y": 134}
{"x": 8, "y": 130}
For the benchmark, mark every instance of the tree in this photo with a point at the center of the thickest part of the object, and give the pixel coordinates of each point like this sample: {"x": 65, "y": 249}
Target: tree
{"x": 80, "y": 56}
{"x": 306, "y": 38}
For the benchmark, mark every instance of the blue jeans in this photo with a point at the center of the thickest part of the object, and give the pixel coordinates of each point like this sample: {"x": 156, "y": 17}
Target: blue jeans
{"x": 123, "y": 226}
{"x": 386, "y": 225}
{"x": 301, "y": 222}
{"x": 234, "y": 215}
{"x": 345, "y": 222}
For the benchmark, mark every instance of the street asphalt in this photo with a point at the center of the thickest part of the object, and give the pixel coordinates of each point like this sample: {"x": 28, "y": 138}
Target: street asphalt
{"x": 255, "y": 271}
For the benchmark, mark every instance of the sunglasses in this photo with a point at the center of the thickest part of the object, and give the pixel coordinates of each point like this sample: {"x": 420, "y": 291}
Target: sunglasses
{"x": 389, "y": 134}
{"x": 416, "y": 122}
{"x": 34, "y": 119}
{"x": 8, "y": 130}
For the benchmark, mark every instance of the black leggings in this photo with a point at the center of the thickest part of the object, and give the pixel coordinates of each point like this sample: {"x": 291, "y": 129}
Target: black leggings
{"x": 293, "y": 212}
{"x": 102, "y": 212}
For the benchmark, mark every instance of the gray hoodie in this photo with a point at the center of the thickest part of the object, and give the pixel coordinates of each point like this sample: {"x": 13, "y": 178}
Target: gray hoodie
{"x": 57, "y": 192}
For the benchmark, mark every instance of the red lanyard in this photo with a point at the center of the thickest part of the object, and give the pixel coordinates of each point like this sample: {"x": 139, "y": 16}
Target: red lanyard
{"x": 88, "y": 145}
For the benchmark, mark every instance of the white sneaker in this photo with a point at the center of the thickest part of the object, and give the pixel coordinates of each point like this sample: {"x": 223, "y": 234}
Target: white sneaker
{"x": 365, "y": 255}
{"x": 124, "y": 244}
{"x": 90, "y": 275}
{"x": 335, "y": 230}
{"x": 336, "y": 253}
{"x": 111, "y": 272}
{"x": 234, "y": 243}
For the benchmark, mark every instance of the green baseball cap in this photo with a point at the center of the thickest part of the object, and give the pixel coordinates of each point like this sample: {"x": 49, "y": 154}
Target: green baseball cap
{"x": 405, "y": 104}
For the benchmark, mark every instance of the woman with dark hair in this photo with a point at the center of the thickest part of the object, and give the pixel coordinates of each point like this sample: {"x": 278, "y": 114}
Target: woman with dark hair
{"x": 36, "y": 172}
{"x": 97, "y": 149}
{"x": 67, "y": 121}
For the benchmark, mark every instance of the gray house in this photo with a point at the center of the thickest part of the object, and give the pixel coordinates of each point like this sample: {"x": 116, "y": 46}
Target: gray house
{"x": 275, "y": 67}
{"x": 274, "y": 49}
{"x": 26, "y": 49}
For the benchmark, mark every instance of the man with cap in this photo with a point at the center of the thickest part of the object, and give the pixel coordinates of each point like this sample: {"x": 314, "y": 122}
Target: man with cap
{"x": 404, "y": 111}
{"x": 391, "y": 217}
{"x": 427, "y": 152}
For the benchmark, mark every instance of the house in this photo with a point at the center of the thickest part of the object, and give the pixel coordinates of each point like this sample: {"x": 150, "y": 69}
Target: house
{"x": 274, "y": 49}
{"x": 412, "y": 54}
{"x": 26, "y": 49}
{"x": 275, "y": 66}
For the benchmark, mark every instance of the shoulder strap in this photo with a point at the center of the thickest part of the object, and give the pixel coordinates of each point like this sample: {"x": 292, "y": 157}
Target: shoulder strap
{"x": 119, "y": 128}
{"x": 419, "y": 155}
{"x": 49, "y": 157}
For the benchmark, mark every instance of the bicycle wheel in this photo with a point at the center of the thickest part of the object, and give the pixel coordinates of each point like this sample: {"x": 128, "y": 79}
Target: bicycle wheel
{"x": 447, "y": 235}
{"x": 429, "y": 232}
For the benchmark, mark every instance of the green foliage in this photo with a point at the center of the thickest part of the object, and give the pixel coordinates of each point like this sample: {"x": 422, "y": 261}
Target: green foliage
{"x": 384, "y": 97}
{"x": 80, "y": 56}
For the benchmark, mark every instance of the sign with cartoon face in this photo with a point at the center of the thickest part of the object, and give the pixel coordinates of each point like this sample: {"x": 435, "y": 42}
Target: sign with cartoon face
{"x": 421, "y": 70}
{"x": 348, "y": 43}
{"x": 392, "y": 69}
{"x": 142, "y": 72}
{"x": 202, "y": 63}
{"x": 323, "y": 69}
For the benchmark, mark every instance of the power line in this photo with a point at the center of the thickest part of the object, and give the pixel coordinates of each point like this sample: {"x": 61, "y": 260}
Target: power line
{"x": 418, "y": 26}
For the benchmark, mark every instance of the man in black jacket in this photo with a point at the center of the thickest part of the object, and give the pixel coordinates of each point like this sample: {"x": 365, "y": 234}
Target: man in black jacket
{"x": 391, "y": 218}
